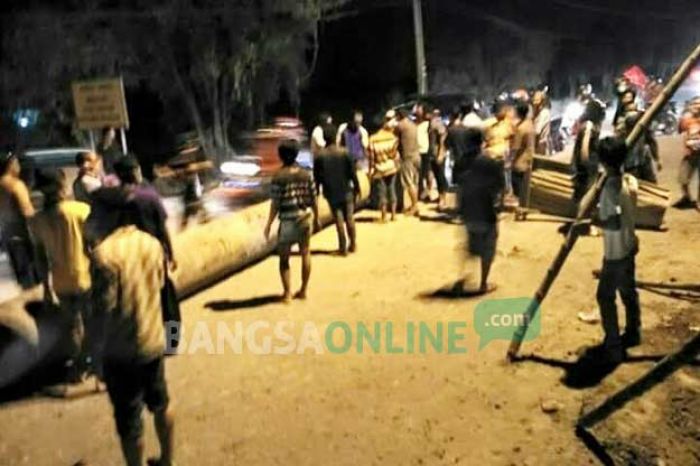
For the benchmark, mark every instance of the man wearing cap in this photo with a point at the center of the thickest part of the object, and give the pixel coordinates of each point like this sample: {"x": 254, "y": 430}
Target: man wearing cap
{"x": 384, "y": 164}
{"x": 15, "y": 208}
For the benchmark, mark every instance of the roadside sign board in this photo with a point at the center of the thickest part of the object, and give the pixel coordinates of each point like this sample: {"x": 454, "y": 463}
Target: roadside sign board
{"x": 100, "y": 103}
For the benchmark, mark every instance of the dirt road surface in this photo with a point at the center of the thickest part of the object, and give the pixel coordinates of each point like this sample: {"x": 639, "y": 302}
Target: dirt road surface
{"x": 407, "y": 409}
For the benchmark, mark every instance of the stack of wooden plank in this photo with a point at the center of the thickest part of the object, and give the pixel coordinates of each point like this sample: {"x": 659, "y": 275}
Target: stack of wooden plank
{"x": 552, "y": 190}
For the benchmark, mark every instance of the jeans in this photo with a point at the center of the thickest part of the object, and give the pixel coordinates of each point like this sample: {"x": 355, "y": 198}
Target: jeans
{"x": 521, "y": 186}
{"x": 618, "y": 276}
{"x": 424, "y": 175}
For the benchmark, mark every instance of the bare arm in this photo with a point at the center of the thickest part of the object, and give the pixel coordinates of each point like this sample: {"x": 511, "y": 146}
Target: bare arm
{"x": 586, "y": 143}
{"x": 24, "y": 200}
{"x": 274, "y": 210}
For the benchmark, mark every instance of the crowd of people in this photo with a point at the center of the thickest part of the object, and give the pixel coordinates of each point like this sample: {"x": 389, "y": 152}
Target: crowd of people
{"x": 105, "y": 257}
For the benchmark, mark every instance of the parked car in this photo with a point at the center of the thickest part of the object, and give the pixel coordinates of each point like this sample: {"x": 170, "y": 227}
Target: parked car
{"x": 34, "y": 160}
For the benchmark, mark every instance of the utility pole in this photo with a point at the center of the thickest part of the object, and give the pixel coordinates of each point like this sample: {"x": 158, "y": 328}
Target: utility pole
{"x": 421, "y": 70}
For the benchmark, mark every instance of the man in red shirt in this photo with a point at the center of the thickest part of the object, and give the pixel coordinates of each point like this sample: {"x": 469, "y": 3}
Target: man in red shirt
{"x": 691, "y": 157}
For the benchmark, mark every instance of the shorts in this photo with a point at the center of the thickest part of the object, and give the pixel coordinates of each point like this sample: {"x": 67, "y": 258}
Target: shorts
{"x": 131, "y": 385}
{"x": 689, "y": 166}
{"x": 386, "y": 190}
{"x": 481, "y": 239}
{"x": 409, "y": 173}
{"x": 295, "y": 231}
{"x": 346, "y": 207}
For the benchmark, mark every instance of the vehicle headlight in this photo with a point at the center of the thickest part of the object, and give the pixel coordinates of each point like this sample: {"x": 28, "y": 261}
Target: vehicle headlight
{"x": 239, "y": 168}
{"x": 573, "y": 112}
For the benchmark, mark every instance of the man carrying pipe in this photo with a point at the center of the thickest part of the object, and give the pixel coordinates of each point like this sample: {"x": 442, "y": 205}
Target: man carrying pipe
{"x": 616, "y": 214}
{"x": 590, "y": 200}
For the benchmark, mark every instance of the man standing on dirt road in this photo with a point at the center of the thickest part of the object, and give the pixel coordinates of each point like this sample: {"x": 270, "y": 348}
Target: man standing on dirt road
{"x": 335, "y": 175}
{"x": 618, "y": 202}
{"x": 128, "y": 275}
{"x": 480, "y": 186}
{"x": 407, "y": 132}
{"x": 690, "y": 165}
{"x": 15, "y": 210}
{"x": 293, "y": 196}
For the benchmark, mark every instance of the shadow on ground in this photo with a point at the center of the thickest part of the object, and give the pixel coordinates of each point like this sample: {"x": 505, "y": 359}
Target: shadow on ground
{"x": 237, "y": 305}
{"x": 589, "y": 369}
{"x": 457, "y": 290}
{"x": 27, "y": 370}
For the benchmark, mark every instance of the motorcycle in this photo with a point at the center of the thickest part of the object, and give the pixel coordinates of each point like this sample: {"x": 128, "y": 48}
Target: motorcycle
{"x": 666, "y": 123}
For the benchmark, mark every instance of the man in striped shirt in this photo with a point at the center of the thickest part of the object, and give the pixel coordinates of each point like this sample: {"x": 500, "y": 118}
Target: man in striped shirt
{"x": 128, "y": 274}
{"x": 293, "y": 195}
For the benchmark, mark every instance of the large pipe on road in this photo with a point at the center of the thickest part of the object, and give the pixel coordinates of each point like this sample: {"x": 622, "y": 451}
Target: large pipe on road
{"x": 205, "y": 254}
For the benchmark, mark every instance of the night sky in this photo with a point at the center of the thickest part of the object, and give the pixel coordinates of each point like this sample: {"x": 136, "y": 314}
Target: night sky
{"x": 485, "y": 46}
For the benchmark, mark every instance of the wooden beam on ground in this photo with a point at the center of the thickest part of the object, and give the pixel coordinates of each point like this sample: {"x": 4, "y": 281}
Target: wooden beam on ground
{"x": 656, "y": 375}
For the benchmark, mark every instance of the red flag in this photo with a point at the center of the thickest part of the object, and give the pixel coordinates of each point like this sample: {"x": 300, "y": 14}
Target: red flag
{"x": 636, "y": 76}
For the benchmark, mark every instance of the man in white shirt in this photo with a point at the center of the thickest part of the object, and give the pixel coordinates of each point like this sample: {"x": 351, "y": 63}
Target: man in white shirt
{"x": 617, "y": 208}
{"x": 354, "y": 138}
{"x": 471, "y": 118}
{"x": 359, "y": 119}
{"x": 318, "y": 143}
{"x": 89, "y": 177}
{"x": 425, "y": 182}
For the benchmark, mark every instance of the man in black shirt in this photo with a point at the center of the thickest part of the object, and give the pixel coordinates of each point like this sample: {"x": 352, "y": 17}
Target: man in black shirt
{"x": 462, "y": 155}
{"x": 335, "y": 175}
{"x": 480, "y": 185}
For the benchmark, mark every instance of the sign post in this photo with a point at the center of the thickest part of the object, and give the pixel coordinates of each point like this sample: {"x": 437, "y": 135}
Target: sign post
{"x": 101, "y": 103}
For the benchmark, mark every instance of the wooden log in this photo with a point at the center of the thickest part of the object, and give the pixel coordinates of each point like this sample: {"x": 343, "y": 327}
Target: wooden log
{"x": 553, "y": 188}
{"x": 555, "y": 175}
{"x": 545, "y": 186}
{"x": 654, "y": 189}
{"x": 205, "y": 253}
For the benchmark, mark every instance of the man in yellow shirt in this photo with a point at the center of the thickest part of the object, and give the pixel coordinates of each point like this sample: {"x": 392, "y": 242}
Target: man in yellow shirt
{"x": 499, "y": 133}
{"x": 63, "y": 264}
